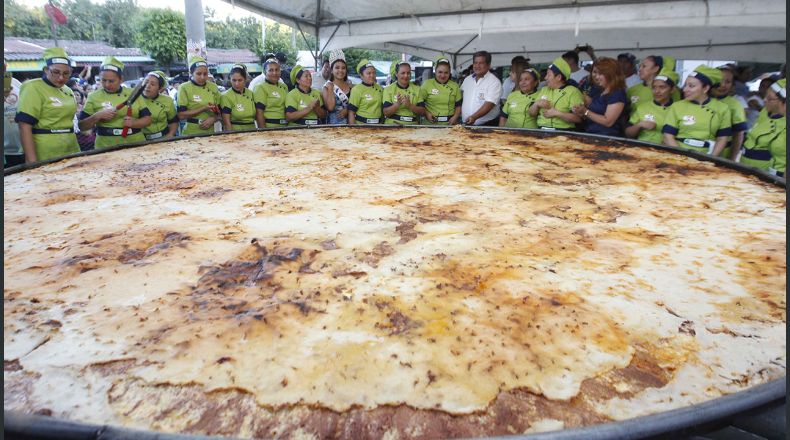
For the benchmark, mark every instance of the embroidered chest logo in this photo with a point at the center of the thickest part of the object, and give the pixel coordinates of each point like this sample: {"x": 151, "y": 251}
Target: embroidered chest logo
{"x": 302, "y": 104}
{"x": 481, "y": 96}
{"x": 513, "y": 105}
{"x": 434, "y": 91}
{"x": 634, "y": 99}
{"x": 650, "y": 117}
{"x": 55, "y": 102}
{"x": 544, "y": 97}
{"x": 240, "y": 107}
{"x": 197, "y": 98}
{"x": 368, "y": 97}
{"x": 276, "y": 94}
{"x": 689, "y": 120}
{"x": 107, "y": 105}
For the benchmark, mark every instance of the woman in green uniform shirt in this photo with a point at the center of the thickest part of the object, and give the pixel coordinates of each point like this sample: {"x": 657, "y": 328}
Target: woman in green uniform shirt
{"x": 198, "y": 99}
{"x": 515, "y": 112}
{"x": 766, "y": 143}
{"x": 554, "y": 108}
{"x": 737, "y": 112}
{"x": 401, "y": 99}
{"x": 238, "y": 103}
{"x": 303, "y": 105}
{"x": 164, "y": 121}
{"x": 364, "y": 105}
{"x": 441, "y": 96}
{"x": 698, "y": 123}
{"x": 270, "y": 97}
{"x": 99, "y": 109}
{"x": 649, "y": 68}
{"x": 46, "y": 111}
{"x": 648, "y": 117}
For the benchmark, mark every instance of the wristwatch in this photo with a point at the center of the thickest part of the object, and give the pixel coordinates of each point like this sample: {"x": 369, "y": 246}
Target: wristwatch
{"x": 586, "y": 112}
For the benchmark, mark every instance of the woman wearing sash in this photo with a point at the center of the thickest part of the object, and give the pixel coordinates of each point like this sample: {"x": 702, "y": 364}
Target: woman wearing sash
{"x": 336, "y": 91}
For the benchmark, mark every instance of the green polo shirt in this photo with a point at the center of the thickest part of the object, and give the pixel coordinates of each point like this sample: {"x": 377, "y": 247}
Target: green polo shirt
{"x": 390, "y": 96}
{"x": 692, "y": 120}
{"x": 47, "y": 107}
{"x": 100, "y": 100}
{"x": 765, "y": 144}
{"x": 641, "y": 93}
{"x": 366, "y": 101}
{"x": 240, "y": 107}
{"x": 192, "y": 96}
{"x": 271, "y": 99}
{"x": 439, "y": 99}
{"x": 516, "y": 110}
{"x": 564, "y": 100}
{"x": 163, "y": 113}
{"x": 650, "y": 111}
{"x": 297, "y": 100}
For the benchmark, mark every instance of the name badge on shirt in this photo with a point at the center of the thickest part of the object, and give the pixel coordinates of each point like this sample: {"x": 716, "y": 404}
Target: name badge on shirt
{"x": 481, "y": 96}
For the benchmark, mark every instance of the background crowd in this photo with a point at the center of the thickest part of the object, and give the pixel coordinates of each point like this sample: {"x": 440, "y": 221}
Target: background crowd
{"x": 711, "y": 112}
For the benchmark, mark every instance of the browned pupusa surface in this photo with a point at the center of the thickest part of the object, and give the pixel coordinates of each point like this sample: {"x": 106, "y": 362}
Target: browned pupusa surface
{"x": 398, "y": 283}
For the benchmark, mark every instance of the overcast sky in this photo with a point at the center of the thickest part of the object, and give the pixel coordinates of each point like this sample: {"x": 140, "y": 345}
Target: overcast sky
{"x": 223, "y": 9}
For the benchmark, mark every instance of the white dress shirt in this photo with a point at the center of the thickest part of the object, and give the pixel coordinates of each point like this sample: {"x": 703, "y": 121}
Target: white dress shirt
{"x": 478, "y": 92}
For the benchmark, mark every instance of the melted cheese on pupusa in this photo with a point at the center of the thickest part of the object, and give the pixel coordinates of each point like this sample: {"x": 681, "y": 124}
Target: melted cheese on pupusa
{"x": 393, "y": 267}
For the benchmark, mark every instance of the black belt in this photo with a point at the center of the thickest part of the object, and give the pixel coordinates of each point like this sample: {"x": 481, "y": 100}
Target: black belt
{"x": 402, "y": 118}
{"x": 277, "y": 121}
{"x": 242, "y": 123}
{"x": 757, "y": 154}
{"x": 104, "y": 131}
{"x": 368, "y": 120}
{"x": 157, "y": 135}
{"x": 306, "y": 121}
{"x": 53, "y": 131}
{"x": 195, "y": 121}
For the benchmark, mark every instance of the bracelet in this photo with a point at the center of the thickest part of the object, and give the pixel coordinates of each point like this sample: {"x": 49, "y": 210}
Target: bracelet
{"x": 586, "y": 112}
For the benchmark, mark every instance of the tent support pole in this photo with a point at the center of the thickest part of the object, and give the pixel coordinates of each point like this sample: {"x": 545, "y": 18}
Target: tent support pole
{"x": 467, "y": 44}
{"x": 330, "y": 38}
{"x": 317, "y": 54}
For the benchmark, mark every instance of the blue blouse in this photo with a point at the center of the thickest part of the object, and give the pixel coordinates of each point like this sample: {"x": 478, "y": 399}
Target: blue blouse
{"x": 599, "y": 105}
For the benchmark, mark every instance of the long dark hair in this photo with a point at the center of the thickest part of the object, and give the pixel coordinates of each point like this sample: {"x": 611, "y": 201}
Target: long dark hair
{"x": 332, "y": 68}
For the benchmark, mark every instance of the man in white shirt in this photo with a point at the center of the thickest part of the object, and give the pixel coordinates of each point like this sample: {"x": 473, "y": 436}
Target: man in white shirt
{"x": 627, "y": 63}
{"x": 481, "y": 93}
{"x": 320, "y": 78}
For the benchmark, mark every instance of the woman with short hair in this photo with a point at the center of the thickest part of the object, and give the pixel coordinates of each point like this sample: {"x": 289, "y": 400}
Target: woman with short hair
{"x": 605, "y": 113}
{"x": 515, "y": 111}
{"x": 270, "y": 97}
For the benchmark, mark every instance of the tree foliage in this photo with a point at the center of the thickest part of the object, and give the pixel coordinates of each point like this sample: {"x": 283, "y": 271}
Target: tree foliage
{"x": 84, "y": 22}
{"x": 21, "y": 21}
{"x": 118, "y": 18}
{"x": 161, "y": 33}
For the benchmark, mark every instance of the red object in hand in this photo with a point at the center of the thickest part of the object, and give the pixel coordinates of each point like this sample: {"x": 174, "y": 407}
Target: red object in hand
{"x": 214, "y": 108}
{"x": 126, "y": 127}
{"x": 55, "y": 14}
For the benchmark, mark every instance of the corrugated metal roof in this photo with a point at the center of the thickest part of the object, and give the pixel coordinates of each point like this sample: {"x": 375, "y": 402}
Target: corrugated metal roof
{"x": 34, "y": 47}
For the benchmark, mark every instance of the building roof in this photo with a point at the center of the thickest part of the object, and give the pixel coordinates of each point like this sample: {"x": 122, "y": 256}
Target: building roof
{"x": 222, "y": 56}
{"x": 15, "y": 48}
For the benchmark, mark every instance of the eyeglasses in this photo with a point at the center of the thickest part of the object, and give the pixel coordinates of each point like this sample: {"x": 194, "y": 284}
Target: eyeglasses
{"x": 770, "y": 99}
{"x": 54, "y": 72}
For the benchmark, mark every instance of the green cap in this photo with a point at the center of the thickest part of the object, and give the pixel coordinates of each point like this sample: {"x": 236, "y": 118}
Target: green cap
{"x": 363, "y": 64}
{"x": 441, "y": 60}
{"x": 195, "y": 62}
{"x": 395, "y": 66}
{"x": 296, "y": 73}
{"x": 707, "y": 75}
{"x": 56, "y": 55}
{"x": 112, "y": 64}
{"x": 669, "y": 76}
{"x": 559, "y": 65}
{"x": 160, "y": 76}
{"x": 780, "y": 87}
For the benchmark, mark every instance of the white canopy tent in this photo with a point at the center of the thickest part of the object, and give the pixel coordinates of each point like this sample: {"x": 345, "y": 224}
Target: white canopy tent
{"x": 742, "y": 30}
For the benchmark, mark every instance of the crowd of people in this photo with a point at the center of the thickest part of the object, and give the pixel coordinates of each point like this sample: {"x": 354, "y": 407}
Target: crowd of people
{"x": 710, "y": 113}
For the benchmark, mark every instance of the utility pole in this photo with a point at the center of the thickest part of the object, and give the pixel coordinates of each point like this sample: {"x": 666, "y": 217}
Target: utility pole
{"x": 195, "y": 29}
